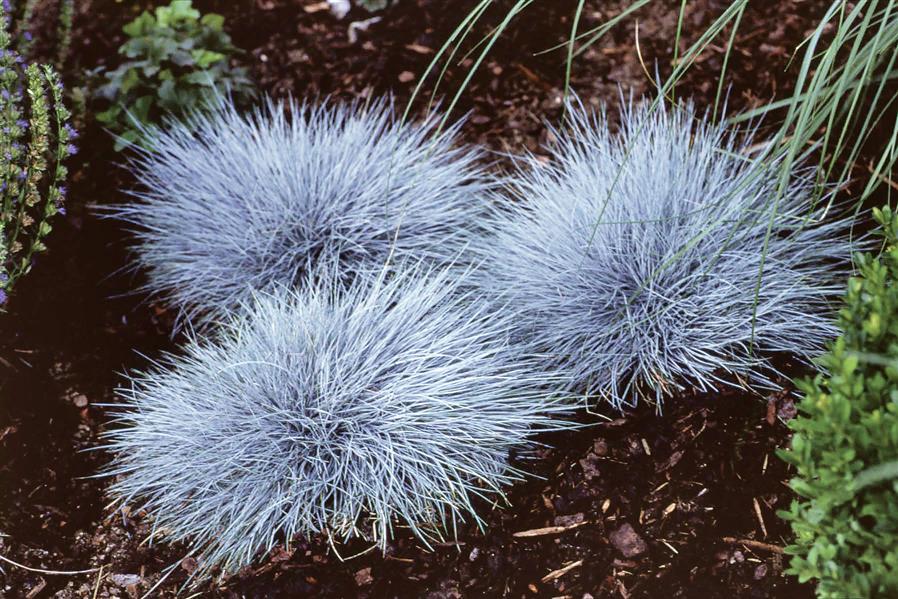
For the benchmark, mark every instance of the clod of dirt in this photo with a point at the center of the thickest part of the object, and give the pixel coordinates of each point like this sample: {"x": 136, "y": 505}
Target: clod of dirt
{"x": 569, "y": 521}
{"x": 590, "y": 465}
{"x": 125, "y": 580}
{"x": 627, "y": 541}
{"x": 787, "y": 410}
{"x": 188, "y": 564}
{"x": 363, "y": 577}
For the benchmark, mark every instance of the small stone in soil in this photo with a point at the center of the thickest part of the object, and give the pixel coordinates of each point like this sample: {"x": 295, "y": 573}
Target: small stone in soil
{"x": 787, "y": 410}
{"x": 627, "y": 541}
{"x": 124, "y": 580}
{"x": 569, "y": 520}
{"x": 363, "y": 577}
{"x": 188, "y": 564}
{"x": 590, "y": 466}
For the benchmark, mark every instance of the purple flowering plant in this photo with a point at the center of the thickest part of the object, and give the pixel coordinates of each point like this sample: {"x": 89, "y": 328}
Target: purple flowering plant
{"x": 31, "y": 29}
{"x": 35, "y": 139}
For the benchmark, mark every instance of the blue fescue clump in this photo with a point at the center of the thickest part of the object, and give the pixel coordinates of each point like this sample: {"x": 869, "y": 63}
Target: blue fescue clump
{"x": 329, "y": 409}
{"x": 233, "y": 203}
{"x": 633, "y": 258}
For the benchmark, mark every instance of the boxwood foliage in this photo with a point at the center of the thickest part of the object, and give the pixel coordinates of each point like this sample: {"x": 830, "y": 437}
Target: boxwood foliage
{"x": 230, "y": 203}
{"x": 330, "y": 410}
{"x": 845, "y": 447}
{"x": 662, "y": 257}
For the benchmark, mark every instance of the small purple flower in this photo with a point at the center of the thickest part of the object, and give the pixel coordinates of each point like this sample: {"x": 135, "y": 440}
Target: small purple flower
{"x": 4, "y": 94}
{"x": 28, "y": 37}
{"x": 71, "y": 149}
{"x": 2, "y": 297}
{"x": 3, "y": 277}
{"x": 2, "y": 187}
{"x": 63, "y": 190}
{"x": 21, "y": 176}
{"x": 61, "y": 210}
{"x": 22, "y": 123}
{"x": 71, "y": 131}
{"x": 8, "y": 156}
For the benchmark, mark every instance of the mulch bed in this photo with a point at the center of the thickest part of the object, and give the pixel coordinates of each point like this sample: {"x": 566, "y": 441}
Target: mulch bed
{"x": 680, "y": 504}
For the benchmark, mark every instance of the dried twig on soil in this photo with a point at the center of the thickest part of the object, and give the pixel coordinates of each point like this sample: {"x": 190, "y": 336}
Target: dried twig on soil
{"x": 755, "y": 544}
{"x": 50, "y": 572}
{"x": 549, "y": 530}
{"x": 37, "y": 590}
{"x": 760, "y": 516}
{"x": 562, "y": 571}
{"x": 97, "y": 585}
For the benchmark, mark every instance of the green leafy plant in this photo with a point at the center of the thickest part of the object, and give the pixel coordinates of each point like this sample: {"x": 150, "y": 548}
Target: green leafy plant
{"x": 845, "y": 448}
{"x": 176, "y": 61}
{"x": 34, "y": 141}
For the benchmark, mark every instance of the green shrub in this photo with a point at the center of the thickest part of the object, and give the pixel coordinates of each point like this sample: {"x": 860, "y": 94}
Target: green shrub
{"x": 34, "y": 140}
{"x": 177, "y": 60}
{"x": 846, "y": 442}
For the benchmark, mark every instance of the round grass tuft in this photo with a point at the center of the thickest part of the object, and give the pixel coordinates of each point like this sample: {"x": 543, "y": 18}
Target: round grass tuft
{"x": 330, "y": 410}
{"x": 632, "y": 259}
{"x": 232, "y": 203}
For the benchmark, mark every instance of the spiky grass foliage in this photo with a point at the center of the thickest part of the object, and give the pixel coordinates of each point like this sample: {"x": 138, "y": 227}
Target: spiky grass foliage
{"x": 330, "y": 411}
{"x": 633, "y": 259}
{"x": 233, "y": 203}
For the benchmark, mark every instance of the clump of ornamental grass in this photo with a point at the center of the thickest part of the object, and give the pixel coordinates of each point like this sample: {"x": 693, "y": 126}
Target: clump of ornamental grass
{"x": 234, "y": 203}
{"x": 34, "y": 142}
{"x": 662, "y": 257}
{"x": 330, "y": 409}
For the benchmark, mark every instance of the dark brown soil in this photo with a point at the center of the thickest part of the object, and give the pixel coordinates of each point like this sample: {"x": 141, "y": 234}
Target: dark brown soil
{"x": 644, "y": 505}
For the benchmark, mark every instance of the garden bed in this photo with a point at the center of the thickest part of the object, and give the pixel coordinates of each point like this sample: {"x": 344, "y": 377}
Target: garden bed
{"x": 638, "y": 504}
